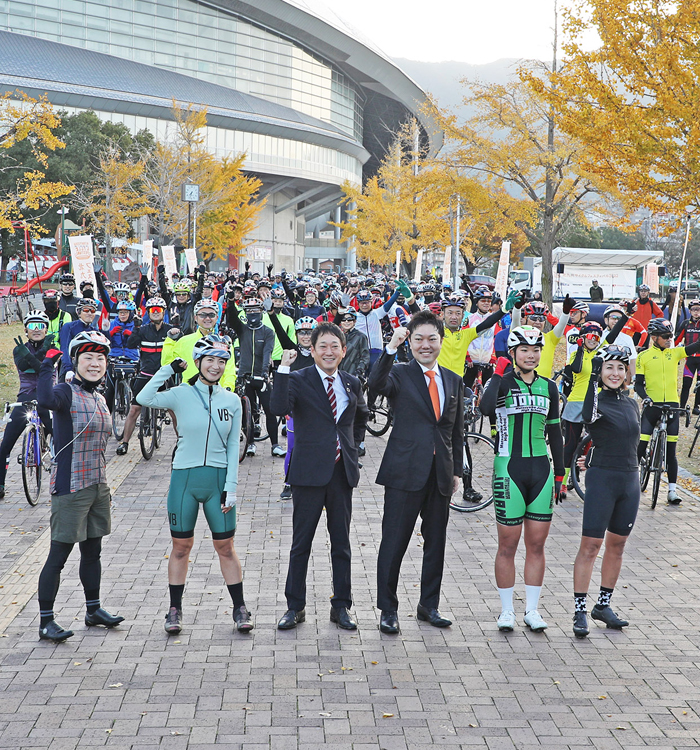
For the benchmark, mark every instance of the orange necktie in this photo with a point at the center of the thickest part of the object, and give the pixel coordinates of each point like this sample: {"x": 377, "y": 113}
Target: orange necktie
{"x": 434, "y": 394}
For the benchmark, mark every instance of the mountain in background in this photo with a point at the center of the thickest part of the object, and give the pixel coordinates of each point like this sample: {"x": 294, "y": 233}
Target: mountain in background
{"x": 442, "y": 79}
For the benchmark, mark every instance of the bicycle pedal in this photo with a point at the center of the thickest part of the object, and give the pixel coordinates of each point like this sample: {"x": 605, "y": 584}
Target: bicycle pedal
{"x": 167, "y": 420}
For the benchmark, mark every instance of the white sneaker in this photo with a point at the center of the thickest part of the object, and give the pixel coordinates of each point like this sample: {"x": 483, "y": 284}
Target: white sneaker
{"x": 251, "y": 450}
{"x": 279, "y": 451}
{"x": 534, "y": 621}
{"x": 673, "y": 497}
{"x": 506, "y": 621}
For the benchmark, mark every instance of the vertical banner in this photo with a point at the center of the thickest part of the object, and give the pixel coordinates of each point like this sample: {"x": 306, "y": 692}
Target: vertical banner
{"x": 447, "y": 264}
{"x": 398, "y": 264}
{"x": 168, "y": 252}
{"x": 419, "y": 266}
{"x": 147, "y": 256}
{"x": 191, "y": 255}
{"x": 651, "y": 277}
{"x": 82, "y": 258}
{"x": 502, "y": 275}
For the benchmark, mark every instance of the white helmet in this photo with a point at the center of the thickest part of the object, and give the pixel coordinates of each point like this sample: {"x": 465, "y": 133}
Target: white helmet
{"x": 525, "y": 336}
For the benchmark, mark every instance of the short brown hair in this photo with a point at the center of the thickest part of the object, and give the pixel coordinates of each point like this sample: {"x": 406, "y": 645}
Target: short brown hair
{"x": 331, "y": 328}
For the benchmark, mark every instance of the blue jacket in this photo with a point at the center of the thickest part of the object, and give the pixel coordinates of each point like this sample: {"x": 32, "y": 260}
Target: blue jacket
{"x": 119, "y": 339}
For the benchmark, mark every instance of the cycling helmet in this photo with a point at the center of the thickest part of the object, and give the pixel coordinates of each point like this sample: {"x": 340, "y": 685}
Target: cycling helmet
{"x": 348, "y": 311}
{"x": 496, "y": 299}
{"x": 252, "y": 303}
{"x": 582, "y": 306}
{"x": 310, "y": 290}
{"x": 483, "y": 292}
{"x": 611, "y": 352}
{"x": 335, "y": 299}
{"x": 208, "y": 285}
{"x": 88, "y": 341}
{"x": 155, "y": 302}
{"x": 591, "y": 328}
{"x": 611, "y": 309}
{"x": 181, "y": 287}
{"x": 435, "y": 307}
{"x": 305, "y": 324}
{"x": 133, "y": 286}
{"x": 206, "y": 304}
{"x": 453, "y": 301}
{"x": 85, "y": 283}
{"x": 83, "y": 303}
{"x": 212, "y": 345}
{"x": 644, "y": 288}
{"x": 535, "y": 308}
{"x": 447, "y": 285}
{"x": 49, "y": 294}
{"x": 121, "y": 287}
{"x": 67, "y": 278}
{"x": 264, "y": 282}
{"x": 693, "y": 303}
{"x": 364, "y": 295}
{"x": 525, "y": 336}
{"x": 36, "y": 316}
{"x": 659, "y": 326}
{"x": 278, "y": 294}
{"x": 126, "y": 305}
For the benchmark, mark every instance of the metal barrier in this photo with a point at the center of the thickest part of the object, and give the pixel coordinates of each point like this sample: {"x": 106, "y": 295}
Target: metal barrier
{"x": 13, "y": 308}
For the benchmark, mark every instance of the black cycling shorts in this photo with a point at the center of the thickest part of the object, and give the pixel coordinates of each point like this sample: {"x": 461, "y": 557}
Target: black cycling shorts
{"x": 611, "y": 502}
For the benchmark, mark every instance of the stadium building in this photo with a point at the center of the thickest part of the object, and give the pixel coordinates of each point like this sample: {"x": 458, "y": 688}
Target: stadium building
{"x": 311, "y": 102}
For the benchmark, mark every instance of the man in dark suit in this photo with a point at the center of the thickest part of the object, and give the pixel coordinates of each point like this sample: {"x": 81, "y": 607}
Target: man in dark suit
{"x": 422, "y": 463}
{"x": 330, "y": 414}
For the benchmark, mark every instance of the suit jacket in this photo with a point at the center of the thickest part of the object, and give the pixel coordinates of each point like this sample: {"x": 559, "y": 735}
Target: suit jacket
{"x": 416, "y": 435}
{"x": 303, "y": 395}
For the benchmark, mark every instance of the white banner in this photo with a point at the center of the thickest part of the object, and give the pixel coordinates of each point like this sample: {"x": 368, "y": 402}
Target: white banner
{"x": 651, "y": 277}
{"x": 168, "y": 252}
{"x": 259, "y": 252}
{"x": 419, "y": 265}
{"x": 191, "y": 255}
{"x": 147, "y": 256}
{"x": 398, "y": 264}
{"x": 502, "y": 275}
{"x": 447, "y": 264}
{"x": 82, "y": 259}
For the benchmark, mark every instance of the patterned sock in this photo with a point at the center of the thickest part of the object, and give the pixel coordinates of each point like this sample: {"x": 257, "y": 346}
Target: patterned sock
{"x": 580, "y": 600}
{"x": 236, "y": 591}
{"x": 92, "y": 605}
{"x": 46, "y": 616}
{"x": 604, "y": 597}
{"x": 176, "y": 592}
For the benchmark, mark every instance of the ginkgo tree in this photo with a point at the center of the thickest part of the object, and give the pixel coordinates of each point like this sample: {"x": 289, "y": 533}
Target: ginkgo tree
{"x": 26, "y": 192}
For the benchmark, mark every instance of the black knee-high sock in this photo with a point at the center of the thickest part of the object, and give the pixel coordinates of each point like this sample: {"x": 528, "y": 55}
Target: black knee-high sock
{"x": 176, "y": 592}
{"x": 236, "y": 591}
{"x": 91, "y": 572}
{"x": 50, "y": 578}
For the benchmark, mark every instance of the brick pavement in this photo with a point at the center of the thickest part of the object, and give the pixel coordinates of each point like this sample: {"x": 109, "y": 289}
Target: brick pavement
{"x": 317, "y": 686}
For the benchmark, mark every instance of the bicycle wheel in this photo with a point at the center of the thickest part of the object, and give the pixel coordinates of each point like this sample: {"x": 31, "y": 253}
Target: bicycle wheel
{"x": 147, "y": 432}
{"x": 695, "y": 439}
{"x": 260, "y": 427}
{"x": 246, "y": 437}
{"x": 122, "y": 404}
{"x": 477, "y": 473}
{"x": 158, "y": 427}
{"x": 31, "y": 464}
{"x": 657, "y": 466}
{"x": 578, "y": 476}
{"x": 380, "y": 416}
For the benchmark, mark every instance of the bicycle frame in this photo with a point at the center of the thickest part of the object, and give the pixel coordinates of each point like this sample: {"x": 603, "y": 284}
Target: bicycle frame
{"x": 33, "y": 418}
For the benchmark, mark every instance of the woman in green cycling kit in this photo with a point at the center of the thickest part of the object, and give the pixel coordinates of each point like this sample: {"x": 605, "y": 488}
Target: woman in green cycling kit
{"x": 525, "y": 406}
{"x": 205, "y": 469}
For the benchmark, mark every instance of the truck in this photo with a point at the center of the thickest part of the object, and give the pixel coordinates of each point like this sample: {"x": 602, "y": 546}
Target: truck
{"x": 618, "y": 272}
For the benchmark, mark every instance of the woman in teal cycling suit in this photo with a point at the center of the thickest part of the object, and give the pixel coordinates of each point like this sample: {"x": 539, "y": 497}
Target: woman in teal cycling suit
{"x": 205, "y": 469}
{"x": 525, "y": 406}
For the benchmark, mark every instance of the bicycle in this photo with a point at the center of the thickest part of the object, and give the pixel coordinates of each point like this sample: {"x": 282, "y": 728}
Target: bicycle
{"x": 37, "y": 450}
{"x": 151, "y": 429}
{"x": 475, "y": 418}
{"x": 381, "y": 415}
{"x": 696, "y": 426}
{"x": 247, "y": 435}
{"x": 654, "y": 459}
{"x": 560, "y": 388}
{"x": 124, "y": 370}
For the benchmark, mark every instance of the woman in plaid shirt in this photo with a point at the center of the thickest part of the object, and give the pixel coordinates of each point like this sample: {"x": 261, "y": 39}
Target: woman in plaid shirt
{"x": 80, "y": 499}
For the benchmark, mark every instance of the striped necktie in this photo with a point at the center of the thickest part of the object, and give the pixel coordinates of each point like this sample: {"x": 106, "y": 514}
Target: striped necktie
{"x": 334, "y": 408}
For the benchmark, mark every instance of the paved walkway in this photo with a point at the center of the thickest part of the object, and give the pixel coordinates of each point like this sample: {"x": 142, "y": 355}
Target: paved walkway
{"x": 318, "y": 687}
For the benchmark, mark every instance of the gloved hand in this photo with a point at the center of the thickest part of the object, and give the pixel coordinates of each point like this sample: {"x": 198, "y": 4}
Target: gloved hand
{"x": 145, "y": 269}
{"x": 501, "y": 366}
{"x": 579, "y": 341}
{"x": 647, "y": 403}
{"x": 97, "y": 267}
{"x": 558, "y": 481}
{"x": 228, "y": 501}
{"x": 19, "y": 342}
{"x": 522, "y": 299}
{"x": 54, "y": 355}
{"x": 568, "y": 304}
{"x": 178, "y": 365}
{"x": 596, "y": 365}
{"x": 630, "y": 307}
{"x": 126, "y": 332}
{"x": 161, "y": 269}
{"x": 269, "y": 270}
{"x": 174, "y": 333}
{"x": 202, "y": 268}
{"x": 247, "y": 266}
{"x": 402, "y": 286}
{"x": 511, "y": 299}
{"x": 116, "y": 329}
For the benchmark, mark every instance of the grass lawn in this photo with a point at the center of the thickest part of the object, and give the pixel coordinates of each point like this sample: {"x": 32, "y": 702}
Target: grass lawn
{"x": 9, "y": 382}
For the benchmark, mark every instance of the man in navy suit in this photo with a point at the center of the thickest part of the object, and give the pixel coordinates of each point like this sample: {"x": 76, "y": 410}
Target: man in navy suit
{"x": 422, "y": 463}
{"x": 330, "y": 414}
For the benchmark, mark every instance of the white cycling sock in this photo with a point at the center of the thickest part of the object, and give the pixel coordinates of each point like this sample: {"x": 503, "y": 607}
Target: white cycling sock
{"x": 532, "y": 597}
{"x": 506, "y": 599}
{"x": 671, "y": 486}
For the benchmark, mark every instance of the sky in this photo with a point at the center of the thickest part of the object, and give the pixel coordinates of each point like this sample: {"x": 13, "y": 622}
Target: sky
{"x": 473, "y": 31}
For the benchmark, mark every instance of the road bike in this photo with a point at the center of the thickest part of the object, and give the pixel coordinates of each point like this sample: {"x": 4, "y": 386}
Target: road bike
{"x": 381, "y": 415}
{"x": 580, "y": 463}
{"x": 247, "y": 434}
{"x": 560, "y": 388}
{"x": 151, "y": 429}
{"x": 37, "y": 450}
{"x": 124, "y": 372}
{"x": 474, "y": 419}
{"x": 654, "y": 459}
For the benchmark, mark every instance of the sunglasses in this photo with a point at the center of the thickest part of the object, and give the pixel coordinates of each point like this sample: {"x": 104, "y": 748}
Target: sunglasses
{"x": 155, "y": 310}
{"x": 665, "y": 335}
{"x": 207, "y": 315}
{"x": 619, "y": 350}
{"x": 536, "y": 318}
{"x": 36, "y": 326}
{"x": 349, "y": 319}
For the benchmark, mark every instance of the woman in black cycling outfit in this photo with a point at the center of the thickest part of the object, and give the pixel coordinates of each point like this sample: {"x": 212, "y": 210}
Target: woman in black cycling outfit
{"x": 612, "y": 484}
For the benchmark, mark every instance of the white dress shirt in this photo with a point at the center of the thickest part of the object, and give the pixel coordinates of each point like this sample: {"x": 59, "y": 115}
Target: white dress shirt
{"x": 341, "y": 397}
{"x": 438, "y": 382}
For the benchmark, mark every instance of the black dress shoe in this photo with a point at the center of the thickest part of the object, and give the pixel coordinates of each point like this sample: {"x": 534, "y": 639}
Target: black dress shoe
{"x": 389, "y": 622}
{"x": 290, "y": 619}
{"x": 102, "y": 617}
{"x": 341, "y": 617}
{"x": 54, "y": 632}
{"x": 243, "y": 619}
{"x": 433, "y": 617}
{"x": 606, "y": 615}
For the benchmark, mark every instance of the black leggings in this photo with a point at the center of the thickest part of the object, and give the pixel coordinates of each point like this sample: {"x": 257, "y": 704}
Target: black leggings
{"x": 572, "y": 435}
{"x": 692, "y": 366}
{"x": 611, "y": 502}
{"x": 263, "y": 399}
{"x": 90, "y": 570}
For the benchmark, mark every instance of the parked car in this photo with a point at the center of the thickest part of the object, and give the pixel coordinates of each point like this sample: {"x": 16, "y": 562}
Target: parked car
{"x": 477, "y": 280}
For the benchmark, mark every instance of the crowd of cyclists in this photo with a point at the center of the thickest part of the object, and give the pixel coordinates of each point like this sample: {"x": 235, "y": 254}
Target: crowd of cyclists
{"x": 196, "y": 341}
